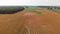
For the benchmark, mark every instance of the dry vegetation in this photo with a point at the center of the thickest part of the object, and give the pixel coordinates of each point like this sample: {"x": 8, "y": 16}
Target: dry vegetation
{"x": 30, "y": 23}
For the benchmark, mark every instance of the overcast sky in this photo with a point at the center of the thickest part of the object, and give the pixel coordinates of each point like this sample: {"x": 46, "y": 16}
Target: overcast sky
{"x": 30, "y": 2}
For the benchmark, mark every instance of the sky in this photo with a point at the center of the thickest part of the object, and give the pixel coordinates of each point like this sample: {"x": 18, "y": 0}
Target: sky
{"x": 29, "y": 2}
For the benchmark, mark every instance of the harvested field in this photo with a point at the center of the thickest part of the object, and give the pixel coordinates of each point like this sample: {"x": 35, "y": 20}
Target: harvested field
{"x": 30, "y": 23}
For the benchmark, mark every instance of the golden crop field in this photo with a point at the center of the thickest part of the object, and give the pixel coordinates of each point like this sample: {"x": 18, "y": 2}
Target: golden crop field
{"x": 26, "y": 22}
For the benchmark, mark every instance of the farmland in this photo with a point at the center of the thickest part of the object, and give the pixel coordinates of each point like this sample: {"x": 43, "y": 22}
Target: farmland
{"x": 32, "y": 20}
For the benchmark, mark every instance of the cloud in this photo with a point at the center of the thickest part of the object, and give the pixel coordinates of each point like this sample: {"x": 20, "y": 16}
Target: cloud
{"x": 30, "y": 2}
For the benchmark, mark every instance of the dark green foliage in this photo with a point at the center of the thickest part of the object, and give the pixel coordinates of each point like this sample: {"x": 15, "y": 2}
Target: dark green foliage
{"x": 10, "y": 9}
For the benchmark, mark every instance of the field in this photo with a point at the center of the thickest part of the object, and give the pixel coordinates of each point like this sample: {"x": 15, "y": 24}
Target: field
{"x": 31, "y": 21}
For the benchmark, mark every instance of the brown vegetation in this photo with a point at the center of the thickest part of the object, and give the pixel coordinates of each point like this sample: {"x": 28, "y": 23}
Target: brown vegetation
{"x": 30, "y": 23}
